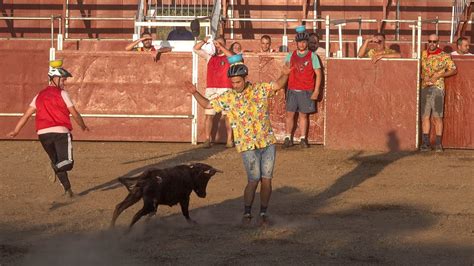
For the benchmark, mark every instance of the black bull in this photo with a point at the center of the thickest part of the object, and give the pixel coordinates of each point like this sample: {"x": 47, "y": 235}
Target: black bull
{"x": 168, "y": 186}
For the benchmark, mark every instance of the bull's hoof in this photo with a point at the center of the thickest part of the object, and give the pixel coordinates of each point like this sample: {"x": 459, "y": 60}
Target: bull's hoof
{"x": 191, "y": 221}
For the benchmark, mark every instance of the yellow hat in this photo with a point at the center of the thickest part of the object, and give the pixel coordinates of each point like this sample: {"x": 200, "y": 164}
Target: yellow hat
{"x": 56, "y": 63}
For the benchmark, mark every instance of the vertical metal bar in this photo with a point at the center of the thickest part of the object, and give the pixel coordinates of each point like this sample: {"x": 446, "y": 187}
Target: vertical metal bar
{"x": 397, "y": 25}
{"x": 419, "y": 37}
{"x": 315, "y": 15}
{"x": 231, "y": 15}
{"x": 194, "y": 109}
{"x": 284, "y": 41}
{"x": 437, "y": 26}
{"x": 66, "y": 21}
{"x": 413, "y": 41}
{"x": 52, "y": 31}
{"x": 418, "y": 78}
{"x": 340, "y": 40}
{"x": 451, "y": 37}
{"x": 328, "y": 25}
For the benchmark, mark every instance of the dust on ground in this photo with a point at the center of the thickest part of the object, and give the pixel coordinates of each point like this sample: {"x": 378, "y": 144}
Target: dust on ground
{"x": 328, "y": 207}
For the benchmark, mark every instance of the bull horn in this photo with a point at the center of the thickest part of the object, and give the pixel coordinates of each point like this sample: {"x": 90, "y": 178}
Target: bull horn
{"x": 218, "y": 171}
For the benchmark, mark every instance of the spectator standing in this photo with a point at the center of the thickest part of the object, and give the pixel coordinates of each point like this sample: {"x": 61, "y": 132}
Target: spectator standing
{"x": 436, "y": 65}
{"x": 217, "y": 83}
{"x": 303, "y": 88}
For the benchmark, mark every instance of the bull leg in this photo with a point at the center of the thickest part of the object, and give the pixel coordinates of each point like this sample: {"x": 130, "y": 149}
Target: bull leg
{"x": 133, "y": 197}
{"x": 155, "y": 208}
{"x": 147, "y": 208}
{"x": 185, "y": 210}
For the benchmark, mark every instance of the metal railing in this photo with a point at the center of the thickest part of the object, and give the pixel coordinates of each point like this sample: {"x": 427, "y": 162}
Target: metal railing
{"x": 458, "y": 8}
{"x": 51, "y": 18}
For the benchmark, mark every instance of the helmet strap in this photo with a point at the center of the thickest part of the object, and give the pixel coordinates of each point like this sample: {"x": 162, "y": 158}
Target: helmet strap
{"x": 51, "y": 79}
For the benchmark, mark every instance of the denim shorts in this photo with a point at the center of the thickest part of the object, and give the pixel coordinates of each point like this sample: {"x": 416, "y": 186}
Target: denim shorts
{"x": 432, "y": 102}
{"x": 259, "y": 163}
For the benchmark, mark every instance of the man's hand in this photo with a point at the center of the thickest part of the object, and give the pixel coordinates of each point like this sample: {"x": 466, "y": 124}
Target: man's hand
{"x": 376, "y": 58}
{"x": 206, "y": 39}
{"x": 217, "y": 44}
{"x": 436, "y": 76}
{"x": 190, "y": 87}
{"x": 315, "y": 95}
{"x": 12, "y": 134}
{"x": 146, "y": 38}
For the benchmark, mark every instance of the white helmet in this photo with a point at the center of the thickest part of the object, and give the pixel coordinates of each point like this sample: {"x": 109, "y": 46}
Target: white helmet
{"x": 56, "y": 70}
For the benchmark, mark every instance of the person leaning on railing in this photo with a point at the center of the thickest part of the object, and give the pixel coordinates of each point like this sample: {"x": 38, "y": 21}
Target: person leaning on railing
{"x": 147, "y": 42}
{"x": 379, "y": 52}
{"x": 462, "y": 45}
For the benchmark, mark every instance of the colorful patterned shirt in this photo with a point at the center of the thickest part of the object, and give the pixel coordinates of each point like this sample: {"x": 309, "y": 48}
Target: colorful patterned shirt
{"x": 248, "y": 115}
{"x": 435, "y": 63}
{"x": 372, "y": 52}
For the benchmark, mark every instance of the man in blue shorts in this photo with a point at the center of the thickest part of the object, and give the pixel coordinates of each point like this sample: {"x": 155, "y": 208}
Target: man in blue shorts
{"x": 303, "y": 88}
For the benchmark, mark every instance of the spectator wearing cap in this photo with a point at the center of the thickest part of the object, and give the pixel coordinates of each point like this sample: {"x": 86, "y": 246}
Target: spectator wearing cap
{"x": 462, "y": 45}
{"x": 379, "y": 52}
{"x": 247, "y": 107}
{"x": 303, "y": 88}
{"x": 216, "y": 84}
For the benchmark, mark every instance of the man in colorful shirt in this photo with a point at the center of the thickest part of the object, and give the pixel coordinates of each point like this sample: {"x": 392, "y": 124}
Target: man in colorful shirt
{"x": 379, "y": 52}
{"x": 435, "y": 66}
{"x": 247, "y": 107}
{"x": 303, "y": 88}
{"x": 53, "y": 106}
{"x": 147, "y": 42}
{"x": 217, "y": 83}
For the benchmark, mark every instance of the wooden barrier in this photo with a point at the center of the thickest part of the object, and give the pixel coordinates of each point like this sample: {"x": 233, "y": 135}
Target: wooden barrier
{"x": 371, "y": 106}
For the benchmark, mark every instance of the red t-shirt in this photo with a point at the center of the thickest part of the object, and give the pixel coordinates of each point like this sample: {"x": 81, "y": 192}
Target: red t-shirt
{"x": 51, "y": 109}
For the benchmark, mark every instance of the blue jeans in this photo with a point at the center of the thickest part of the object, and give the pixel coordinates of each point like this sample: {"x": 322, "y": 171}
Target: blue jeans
{"x": 259, "y": 163}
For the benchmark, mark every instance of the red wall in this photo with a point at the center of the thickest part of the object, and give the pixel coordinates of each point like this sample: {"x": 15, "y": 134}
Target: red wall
{"x": 371, "y": 106}
{"x": 459, "y": 106}
{"x": 125, "y": 82}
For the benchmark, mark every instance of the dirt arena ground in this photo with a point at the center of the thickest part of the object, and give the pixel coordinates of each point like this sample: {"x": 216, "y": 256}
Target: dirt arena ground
{"x": 328, "y": 207}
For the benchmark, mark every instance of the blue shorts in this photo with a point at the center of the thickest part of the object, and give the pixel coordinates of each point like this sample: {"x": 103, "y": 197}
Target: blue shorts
{"x": 300, "y": 101}
{"x": 259, "y": 163}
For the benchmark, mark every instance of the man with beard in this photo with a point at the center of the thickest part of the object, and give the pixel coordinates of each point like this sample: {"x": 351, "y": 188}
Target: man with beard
{"x": 435, "y": 66}
{"x": 147, "y": 42}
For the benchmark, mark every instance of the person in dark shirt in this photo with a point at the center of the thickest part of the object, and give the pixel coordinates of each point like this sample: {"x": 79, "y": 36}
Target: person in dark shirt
{"x": 180, "y": 34}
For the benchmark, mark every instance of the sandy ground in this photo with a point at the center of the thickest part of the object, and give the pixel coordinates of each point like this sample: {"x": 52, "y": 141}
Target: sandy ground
{"x": 328, "y": 207}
